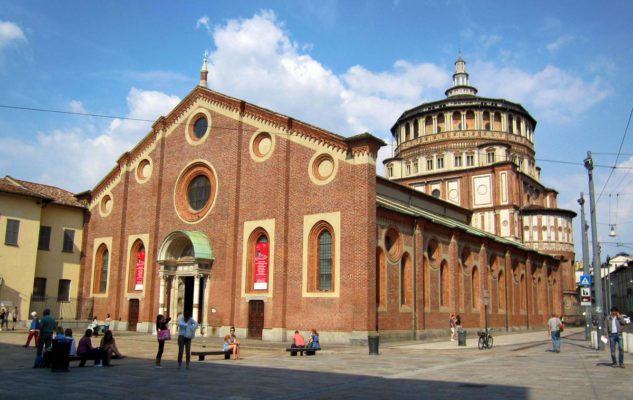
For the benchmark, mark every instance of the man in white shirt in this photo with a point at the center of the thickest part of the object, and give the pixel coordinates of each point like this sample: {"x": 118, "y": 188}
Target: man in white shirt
{"x": 553, "y": 330}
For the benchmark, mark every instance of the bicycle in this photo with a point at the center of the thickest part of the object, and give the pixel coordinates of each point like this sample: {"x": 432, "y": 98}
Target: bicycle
{"x": 485, "y": 339}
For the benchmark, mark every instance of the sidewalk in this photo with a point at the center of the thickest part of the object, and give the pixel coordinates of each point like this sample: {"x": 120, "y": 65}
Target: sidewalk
{"x": 520, "y": 366}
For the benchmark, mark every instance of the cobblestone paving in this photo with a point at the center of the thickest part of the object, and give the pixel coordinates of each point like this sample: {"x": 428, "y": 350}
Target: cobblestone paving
{"x": 520, "y": 366}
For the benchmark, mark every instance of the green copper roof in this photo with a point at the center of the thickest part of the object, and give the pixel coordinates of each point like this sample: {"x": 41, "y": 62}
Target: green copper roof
{"x": 201, "y": 246}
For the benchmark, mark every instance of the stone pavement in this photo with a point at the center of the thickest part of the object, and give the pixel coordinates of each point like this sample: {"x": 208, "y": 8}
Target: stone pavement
{"x": 520, "y": 366}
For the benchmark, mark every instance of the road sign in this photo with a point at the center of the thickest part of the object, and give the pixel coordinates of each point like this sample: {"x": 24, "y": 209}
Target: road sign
{"x": 585, "y": 280}
{"x": 585, "y": 296}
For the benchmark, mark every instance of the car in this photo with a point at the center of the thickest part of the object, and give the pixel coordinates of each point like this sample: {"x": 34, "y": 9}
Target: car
{"x": 627, "y": 320}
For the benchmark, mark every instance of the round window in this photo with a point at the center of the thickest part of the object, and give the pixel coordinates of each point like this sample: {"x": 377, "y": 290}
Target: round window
{"x": 200, "y": 127}
{"x": 195, "y": 193}
{"x": 436, "y": 193}
{"x": 198, "y": 192}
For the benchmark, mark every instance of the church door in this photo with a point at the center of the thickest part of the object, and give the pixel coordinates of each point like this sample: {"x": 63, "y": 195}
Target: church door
{"x": 133, "y": 315}
{"x": 255, "y": 319}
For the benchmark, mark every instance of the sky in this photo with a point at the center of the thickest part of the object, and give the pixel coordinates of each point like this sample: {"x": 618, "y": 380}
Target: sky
{"x": 347, "y": 66}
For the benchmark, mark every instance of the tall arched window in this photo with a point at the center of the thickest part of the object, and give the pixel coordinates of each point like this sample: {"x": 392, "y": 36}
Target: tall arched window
{"x": 102, "y": 263}
{"x": 460, "y": 286}
{"x": 475, "y": 288}
{"x": 510, "y": 124}
{"x": 502, "y": 290}
{"x": 496, "y": 122}
{"x": 381, "y": 278}
{"x": 428, "y": 125}
{"x": 136, "y": 267}
{"x": 457, "y": 121}
{"x": 441, "y": 124}
{"x": 416, "y": 130}
{"x": 523, "y": 290}
{"x": 406, "y": 281}
{"x": 486, "y": 120}
{"x": 470, "y": 120}
{"x": 321, "y": 258}
{"x": 257, "y": 261}
{"x": 407, "y": 131}
{"x": 444, "y": 286}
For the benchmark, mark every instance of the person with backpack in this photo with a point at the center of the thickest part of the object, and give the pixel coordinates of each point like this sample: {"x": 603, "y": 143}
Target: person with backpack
{"x": 554, "y": 327}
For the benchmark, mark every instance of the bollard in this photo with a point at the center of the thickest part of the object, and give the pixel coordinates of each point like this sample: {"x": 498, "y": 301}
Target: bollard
{"x": 461, "y": 337}
{"x": 373, "y": 340}
{"x": 594, "y": 340}
{"x": 629, "y": 337}
{"x": 625, "y": 342}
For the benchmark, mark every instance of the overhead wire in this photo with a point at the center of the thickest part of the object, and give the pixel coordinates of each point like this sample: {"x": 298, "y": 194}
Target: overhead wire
{"x": 617, "y": 156}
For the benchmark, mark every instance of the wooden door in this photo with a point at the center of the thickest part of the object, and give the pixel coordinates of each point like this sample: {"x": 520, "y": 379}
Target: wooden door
{"x": 133, "y": 315}
{"x": 255, "y": 319}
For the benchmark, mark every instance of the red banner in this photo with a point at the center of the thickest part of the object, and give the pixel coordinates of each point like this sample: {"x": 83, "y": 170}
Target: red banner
{"x": 261, "y": 266}
{"x": 140, "y": 270}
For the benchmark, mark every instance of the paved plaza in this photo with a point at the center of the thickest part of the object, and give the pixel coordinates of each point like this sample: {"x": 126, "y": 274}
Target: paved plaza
{"x": 520, "y": 366}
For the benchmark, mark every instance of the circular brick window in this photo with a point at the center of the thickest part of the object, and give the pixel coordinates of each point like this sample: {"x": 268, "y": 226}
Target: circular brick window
{"x": 198, "y": 127}
{"x": 323, "y": 169}
{"x": 262, "y": 145}
{"x": 105, "y": 207}
{"x": 195, "y": 191}
{"x": 143, "y": 170}
{"x": 393, "y": 244}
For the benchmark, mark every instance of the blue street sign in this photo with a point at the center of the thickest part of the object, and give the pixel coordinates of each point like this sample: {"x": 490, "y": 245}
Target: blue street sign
{"x": 585, "y": 280}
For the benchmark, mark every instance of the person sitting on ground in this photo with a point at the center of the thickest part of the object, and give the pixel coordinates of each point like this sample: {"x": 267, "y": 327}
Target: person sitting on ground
{"x": 94, "y": 325}
{"x": 313, "y": 342}
{"x": 85, "y": 349}
{"x": 73, "y": 346}
{"x": 108, "y": 348}
{"x": 298, "y": 342}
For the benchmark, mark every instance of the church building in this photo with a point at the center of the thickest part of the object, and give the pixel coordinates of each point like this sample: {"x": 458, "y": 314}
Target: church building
{"x": 249, "y": 218}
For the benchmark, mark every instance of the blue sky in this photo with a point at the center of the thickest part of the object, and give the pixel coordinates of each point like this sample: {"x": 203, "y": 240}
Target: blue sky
{"x": 347, "y": 66}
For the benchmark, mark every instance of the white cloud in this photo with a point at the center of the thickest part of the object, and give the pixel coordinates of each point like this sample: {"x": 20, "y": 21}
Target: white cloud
{"x": 552, "y": 93}
{"x": 205, "y": 22}
{"x": 77, "y": 107}
{"x": 10, "y": 34}
{"x": 556, "y": 45}
{"x": 75, "y": 160}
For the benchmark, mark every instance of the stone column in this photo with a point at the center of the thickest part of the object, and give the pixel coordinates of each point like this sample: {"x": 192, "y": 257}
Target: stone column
{"x": 173, "y": 304}
{"x": 196, "y": 295}
{"x": 161, "y": 294}
{"x": 205, "y": 308}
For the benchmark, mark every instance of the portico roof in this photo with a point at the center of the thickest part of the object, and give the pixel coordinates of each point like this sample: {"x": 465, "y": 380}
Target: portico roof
{"x": 175, "y": 242}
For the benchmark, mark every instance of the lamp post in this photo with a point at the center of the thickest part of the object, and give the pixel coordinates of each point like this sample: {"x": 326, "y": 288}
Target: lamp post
{"x": 585, "y": 262}
{"x": 596, "y": 251}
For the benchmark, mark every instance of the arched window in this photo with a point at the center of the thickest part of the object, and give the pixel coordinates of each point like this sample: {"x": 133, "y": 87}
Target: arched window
{"x": 444, "y": 286}
{"x": 510, "y": 124}
{"x": 381, "y": 278}
{"x": 523, "y": 291}
{"x": 502, "y": 290}
{"x": 407, "y": 131}
{"x": 460, "y": 286}
{"x": 416, "y": 131}
{"x": 322, "y": 258}
{"x": 102, "y": 263}
{"x": 475, "y": 288}
{"x": 406, "y": 281}
{"x": 136, "y": 267}
{"x": 258, "y": 261}
{"x": 470, "y": 120}
{"x": 496, "y": 122}
{"x": 457, "y": 121}
{"x": 441, "y": 124}
{"x": 486, "y": 120}
{"x": 428, "y": 125}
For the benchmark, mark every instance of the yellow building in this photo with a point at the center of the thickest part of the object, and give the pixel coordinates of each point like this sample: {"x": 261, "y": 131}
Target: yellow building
{"x": 40, "y": 249}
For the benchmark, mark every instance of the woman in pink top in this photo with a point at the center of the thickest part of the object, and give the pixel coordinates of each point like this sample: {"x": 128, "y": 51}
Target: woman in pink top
{"x": 298, "y": 342}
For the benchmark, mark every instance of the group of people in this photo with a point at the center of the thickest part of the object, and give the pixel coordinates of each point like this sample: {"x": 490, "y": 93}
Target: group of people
{"x": 455, "y": 323}
{"x": 42, "y": 330}
{"x": 298, "y": 341}
{"x": 7, "y": 315}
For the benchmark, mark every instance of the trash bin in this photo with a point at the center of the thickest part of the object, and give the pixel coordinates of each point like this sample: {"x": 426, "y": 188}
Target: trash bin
{"x": 59, "y": 355}
{"x": 373, "y": 341}
{"x": 461, "y": 338}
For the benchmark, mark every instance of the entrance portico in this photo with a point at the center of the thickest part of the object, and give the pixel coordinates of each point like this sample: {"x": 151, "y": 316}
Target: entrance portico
{"x": 185, "y": 260}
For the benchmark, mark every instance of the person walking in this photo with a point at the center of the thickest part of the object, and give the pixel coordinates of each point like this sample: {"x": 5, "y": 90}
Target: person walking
{"x": 186, "y": 331}
{"x": 553, "y": 331}
{"x": 4, "y": 319}
{"x": 34, "y": 330}
{"x": 451, "y": 324}
{"x": 162, "y": 333}
{"x": 47, "y": 327}
{"x": 614, "y": 323}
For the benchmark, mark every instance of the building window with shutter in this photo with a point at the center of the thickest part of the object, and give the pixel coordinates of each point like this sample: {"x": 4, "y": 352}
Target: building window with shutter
{"x": 69, "y": 241}
{"x": 12, "y": 232}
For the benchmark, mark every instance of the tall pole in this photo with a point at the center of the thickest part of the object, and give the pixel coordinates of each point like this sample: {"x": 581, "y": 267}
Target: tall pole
{"x": 585, "y": 261}
{"x": 596, "y": 251}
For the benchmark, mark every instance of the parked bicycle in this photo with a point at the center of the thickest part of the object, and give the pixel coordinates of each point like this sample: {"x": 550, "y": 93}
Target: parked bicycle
{"x": 485, "y": 339}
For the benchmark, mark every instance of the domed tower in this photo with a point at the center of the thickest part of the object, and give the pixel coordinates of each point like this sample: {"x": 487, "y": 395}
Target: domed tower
{"x": 478, "y": 153}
